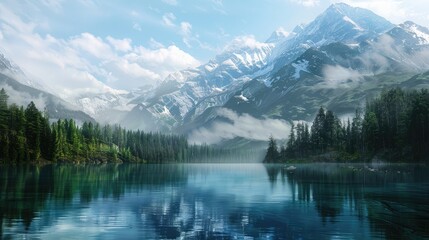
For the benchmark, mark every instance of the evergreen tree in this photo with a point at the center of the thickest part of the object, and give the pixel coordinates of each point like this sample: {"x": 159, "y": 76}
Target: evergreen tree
{"x": 370, "y": 132}
{"x": 272, "y": 155}
{"x": 4, "y": 128}
{"x": 32, "y": 131}
{"x": 291, "y": 143}
{"x": 317, "y": 131}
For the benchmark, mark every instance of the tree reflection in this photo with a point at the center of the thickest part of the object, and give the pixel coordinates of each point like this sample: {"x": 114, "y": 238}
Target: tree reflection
{"x": 335, "y": 187}
{"x": 25, "y": 189}
{"x": 173, "y": 201}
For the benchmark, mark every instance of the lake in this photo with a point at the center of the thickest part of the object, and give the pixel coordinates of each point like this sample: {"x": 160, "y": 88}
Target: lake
{"x": 214, "y": 201}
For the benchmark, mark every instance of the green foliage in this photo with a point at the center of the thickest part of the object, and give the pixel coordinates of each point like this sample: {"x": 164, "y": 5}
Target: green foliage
{"x": 27, "y": 135}
{"x": 394, "y": 126}
{"x": 272, "y": 155}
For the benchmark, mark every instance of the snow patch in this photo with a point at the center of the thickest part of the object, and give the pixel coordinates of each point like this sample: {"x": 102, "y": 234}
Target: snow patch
{"x": 165, "y": 112}
{"x": 355, "y": 26}
{"x": 422, "y": 36}
{"x": 301, "y": 65}
{"x": 242, "y": 97}
{"x": 210, "y": 67}
{"x": 217, "y": 90}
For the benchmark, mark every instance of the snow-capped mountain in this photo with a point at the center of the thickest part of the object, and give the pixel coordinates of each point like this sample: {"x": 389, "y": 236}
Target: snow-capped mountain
{"x": 8, "y": 66}
{"x": 338, "y": 60}
{"x": 339, "y": 23}
{"x": 278, "y": 36}
{"x": 22, "y": 90}
{"x": 410, "y": 35}
{"x": 344, "y": 64}
{"x": 189, "y": 92}
{"x": 183, "y": 96}
{"x": 11, "y": 69}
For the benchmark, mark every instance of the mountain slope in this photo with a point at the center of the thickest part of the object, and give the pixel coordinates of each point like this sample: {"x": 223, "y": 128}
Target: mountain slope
{"x": 339, "y": 76}
{"x": 183, "y": 96}
{"x": 56, "y": 108}
{"x": 188, "y": 93}
{"x": 339, "y": 23}
{"x": 22, "y": 90}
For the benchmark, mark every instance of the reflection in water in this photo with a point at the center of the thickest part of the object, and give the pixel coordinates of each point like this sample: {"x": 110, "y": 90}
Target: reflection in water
{"x": 198, "y": 201}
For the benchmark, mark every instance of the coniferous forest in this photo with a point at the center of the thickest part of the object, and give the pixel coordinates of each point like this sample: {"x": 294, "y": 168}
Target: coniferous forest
{"x": 26, "y": 135}
{"x": 392, "y": 127}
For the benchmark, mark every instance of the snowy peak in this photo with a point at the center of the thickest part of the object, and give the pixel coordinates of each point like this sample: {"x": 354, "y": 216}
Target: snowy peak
{"x": 345, "y": 23}
{"x": 244, "y": 55}
{"x": 8, "y": 66}
{"x": 338, "y": 23}
{"x": 410, "y": 35}
{"x": 298, "y": 29}
{"x": 277, "y": 36}
{"x": 418, "y": 32}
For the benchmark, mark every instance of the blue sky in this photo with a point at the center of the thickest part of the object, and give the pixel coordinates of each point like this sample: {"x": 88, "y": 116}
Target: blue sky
{"x": 101, "y": 45}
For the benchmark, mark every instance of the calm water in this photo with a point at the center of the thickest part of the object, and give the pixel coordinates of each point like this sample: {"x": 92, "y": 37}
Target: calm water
{"x": 219, "y": 201}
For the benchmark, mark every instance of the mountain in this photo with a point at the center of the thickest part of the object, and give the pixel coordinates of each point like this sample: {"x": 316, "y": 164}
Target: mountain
{"x": 339, "y": 23}
{"x": 22, "y": 91}
{"x": 181, "y": 99}
{"x": 355, "y": 63}
{"x": 410, "y": 34}
{"x": 185, "y": 95}
{"x": 11, "y": 69}
{"x": 340, "y": 59}
{"x": 188, "y": 93}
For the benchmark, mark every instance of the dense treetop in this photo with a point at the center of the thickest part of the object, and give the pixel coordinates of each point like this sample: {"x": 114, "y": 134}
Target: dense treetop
{"x": 26, "y": 135}
{"x": 394, "y": 127}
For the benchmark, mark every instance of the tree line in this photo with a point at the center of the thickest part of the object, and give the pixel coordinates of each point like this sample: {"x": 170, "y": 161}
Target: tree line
{"x": 393, "y": 127}
{"x": 27, "y": 135}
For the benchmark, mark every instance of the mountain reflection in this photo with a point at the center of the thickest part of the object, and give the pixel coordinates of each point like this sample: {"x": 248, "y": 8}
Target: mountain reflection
{"x": 224, "y": 201}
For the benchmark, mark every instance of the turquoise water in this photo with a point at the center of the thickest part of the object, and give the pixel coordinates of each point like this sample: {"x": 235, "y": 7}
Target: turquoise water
{"x": 214, "y": 201}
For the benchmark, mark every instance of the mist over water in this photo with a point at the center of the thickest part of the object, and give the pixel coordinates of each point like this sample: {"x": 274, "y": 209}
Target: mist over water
{"x": 209, "y": 201}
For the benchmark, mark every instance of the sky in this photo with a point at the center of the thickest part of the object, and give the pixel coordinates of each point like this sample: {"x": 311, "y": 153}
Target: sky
{"x": 94, "y": 46}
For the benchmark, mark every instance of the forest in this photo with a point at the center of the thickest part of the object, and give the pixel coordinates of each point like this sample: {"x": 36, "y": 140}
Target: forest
{"x": 392, "y": 127}
{"x": 27, "y": 135}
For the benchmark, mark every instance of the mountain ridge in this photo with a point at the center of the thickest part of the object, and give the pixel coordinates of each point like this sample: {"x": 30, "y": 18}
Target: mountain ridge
{"x": 344, "y": 49}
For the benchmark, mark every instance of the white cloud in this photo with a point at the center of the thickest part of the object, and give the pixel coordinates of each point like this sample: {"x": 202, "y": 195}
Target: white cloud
{"x": 93, "y": 45}
{"x": 170, "y": 2}
{"x": 337, "y": 75}
{"x": 137, "y": 27}
{"x": 218, "y": 6}
{"x": 218, "y": 3}
{"x": 247, "y": 41}
{"x": 168, "y": 19}
{"x": 85, "y": 63}
{"x": 55, "y": 5}
{"x": 123, "y": 45}
{"x": 185, "y": 28}
{"x": 390, "y": 9}
{"x": 163, "y": 59}
{"x": 240, "y": 125}
{"x": 155, "y": 44}
{"x": 397, "y": 11}
{"x": 307, "y": 3}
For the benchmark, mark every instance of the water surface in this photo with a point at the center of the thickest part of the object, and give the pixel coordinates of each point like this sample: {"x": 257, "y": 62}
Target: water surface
{"x": 214, "y": 201}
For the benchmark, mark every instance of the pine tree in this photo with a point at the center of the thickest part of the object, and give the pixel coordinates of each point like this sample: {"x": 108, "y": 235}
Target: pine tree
{"x": 291, "y": 142}
{"x": 33, "y": 129}
{"x": 370, "y": 131}
{"x": 272, "y": 155}
{"x": 4, "y": 128}
{"x": 329, "y": 130}
{"x": 317, "y": 131}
